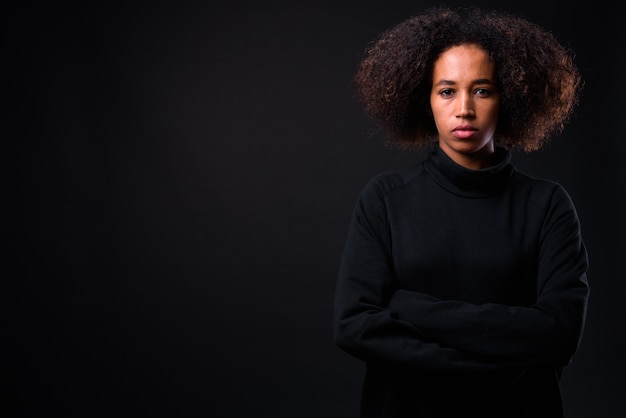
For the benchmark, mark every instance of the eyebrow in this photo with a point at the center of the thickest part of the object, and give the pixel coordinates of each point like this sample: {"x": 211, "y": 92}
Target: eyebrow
{"x": 477, "y": 81}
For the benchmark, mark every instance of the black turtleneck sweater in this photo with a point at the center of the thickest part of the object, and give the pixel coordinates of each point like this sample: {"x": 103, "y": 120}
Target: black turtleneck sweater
{"x": 464, "y": 291}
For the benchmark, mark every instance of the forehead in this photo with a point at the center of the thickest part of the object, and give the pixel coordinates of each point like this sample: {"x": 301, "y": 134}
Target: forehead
{"x": 463, "y": 62}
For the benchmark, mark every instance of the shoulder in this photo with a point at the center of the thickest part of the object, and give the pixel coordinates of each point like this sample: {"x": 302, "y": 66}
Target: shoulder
{"x": 541, "y": 191}
{"x": 383, "y": 184}
{"x": 372, "y": 206}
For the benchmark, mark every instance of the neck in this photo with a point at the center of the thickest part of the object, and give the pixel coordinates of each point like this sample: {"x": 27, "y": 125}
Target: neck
{"x": 471, "y": 159}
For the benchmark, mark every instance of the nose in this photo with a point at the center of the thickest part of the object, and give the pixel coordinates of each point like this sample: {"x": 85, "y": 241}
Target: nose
{"x": 466, "y": 107}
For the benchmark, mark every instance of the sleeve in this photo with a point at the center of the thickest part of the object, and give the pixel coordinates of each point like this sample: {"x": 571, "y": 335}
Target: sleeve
{"x": 548, "y": 332}
{"x": 363, "y": 325}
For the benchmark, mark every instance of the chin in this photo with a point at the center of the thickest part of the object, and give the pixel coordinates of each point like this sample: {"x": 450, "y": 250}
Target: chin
{"x": 472, "y": 147}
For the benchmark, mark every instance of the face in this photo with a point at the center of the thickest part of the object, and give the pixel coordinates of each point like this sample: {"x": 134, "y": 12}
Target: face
{"x": 465, "y": 101}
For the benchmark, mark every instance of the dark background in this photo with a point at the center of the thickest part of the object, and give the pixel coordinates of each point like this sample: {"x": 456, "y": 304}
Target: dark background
{"x": 179, "y": 178}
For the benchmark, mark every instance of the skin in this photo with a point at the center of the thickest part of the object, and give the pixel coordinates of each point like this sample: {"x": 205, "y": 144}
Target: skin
{"x": 465, "y": 102}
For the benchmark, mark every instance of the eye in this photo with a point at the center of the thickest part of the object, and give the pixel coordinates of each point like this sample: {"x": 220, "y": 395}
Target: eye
{"x": 482, "y": 92}
{"x": 446, "y": 92}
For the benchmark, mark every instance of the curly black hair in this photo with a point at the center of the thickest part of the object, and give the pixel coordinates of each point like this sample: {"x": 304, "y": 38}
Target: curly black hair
{"x": 539, "y": 83}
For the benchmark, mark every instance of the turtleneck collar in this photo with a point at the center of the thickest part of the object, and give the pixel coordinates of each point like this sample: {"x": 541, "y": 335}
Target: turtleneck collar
{"x": 470, "y": 183}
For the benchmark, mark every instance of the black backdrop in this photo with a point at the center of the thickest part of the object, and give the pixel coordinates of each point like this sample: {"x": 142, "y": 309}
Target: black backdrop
{"x": 184, "y": 174}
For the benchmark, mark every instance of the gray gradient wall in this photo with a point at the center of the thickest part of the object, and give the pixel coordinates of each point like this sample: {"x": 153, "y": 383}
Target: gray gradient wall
{"x": 184, "y": 175}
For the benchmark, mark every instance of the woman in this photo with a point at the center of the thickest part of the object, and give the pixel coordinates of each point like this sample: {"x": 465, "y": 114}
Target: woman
{"x": 463, "y": 280}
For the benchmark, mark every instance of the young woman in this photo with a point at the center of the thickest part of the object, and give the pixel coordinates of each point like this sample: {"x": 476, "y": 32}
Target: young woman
{"x": 463, "y": 280}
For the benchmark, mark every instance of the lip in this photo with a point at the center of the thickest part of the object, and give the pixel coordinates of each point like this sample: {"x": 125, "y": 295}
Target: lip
{"x": 464, "y": 131}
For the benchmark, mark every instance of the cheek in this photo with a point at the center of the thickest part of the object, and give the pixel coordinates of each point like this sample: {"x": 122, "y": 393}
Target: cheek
{"x": 492, "y": 112}
{"x": 436, "y": 116}
{"x": 495, "y": 112}
{"x": 437, "y": 111}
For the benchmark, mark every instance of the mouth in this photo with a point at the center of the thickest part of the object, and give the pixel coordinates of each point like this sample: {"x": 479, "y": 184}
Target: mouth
{"x": 463, "y": 132}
